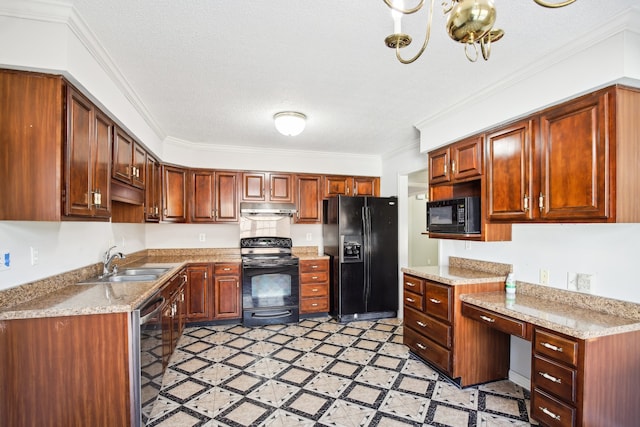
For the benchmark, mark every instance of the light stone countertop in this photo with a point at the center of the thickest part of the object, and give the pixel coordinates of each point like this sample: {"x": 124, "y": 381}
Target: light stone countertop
{"x": 61, "y": 295}
{"x": 462, "y": 271}
{"x": 577, "y": 315}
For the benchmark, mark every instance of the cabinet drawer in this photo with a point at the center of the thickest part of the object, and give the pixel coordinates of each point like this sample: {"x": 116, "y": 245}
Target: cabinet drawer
{"x": 495, "y": 320}
{"x": 438, "y": 300}
{"x": 315, "y": 277}
{"x": 312, "y": 305}
{"x": 413, "y": 300}
{"x": 428, "y": 326}
{"x": 226, "y": 269}
{"x": 554, "y": 378}
{"x": 555, "y": 347}
{"x": 312, "y": 290}
{"x": 550, "y": 411}
{"x": 313, "y": 266}
{"x": 414, "y": 284}
{"x": 428, "y": 350}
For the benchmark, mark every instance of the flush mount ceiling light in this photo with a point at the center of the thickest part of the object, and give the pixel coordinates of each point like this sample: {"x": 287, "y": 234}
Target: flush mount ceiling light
{"x": 469, "y": 22}
{"x": 289, "y": 123}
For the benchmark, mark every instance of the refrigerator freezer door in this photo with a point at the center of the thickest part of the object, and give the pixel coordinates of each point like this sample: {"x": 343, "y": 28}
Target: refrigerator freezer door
{"x": 383, "y": 254}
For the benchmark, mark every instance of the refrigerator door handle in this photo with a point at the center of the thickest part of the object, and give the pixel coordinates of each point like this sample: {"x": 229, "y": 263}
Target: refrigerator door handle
{"x": 366, "y": 219}
{"x": 341, "y": 249}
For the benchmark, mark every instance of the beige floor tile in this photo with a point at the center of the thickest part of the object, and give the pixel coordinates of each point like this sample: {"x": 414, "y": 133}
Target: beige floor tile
{"x": 387, "y": 362}
{"x": 445, "y": 392}
{"x": 343, "y": 368}
{"x": 328, "y": 385}
{"x": 296, "y": 376}
{"x": 357, "y": 355}
{"x": 186, "y": 390}
{"x": 502, "y": 404}
{"x": 451, "y": 417}
{"x": 243, "y": 382}
{"x": 314, "y": 361}
{"x": 364, "y": 394}
{"x": 328, "y": 349}
{"x": 180, "y": 419}
{"x": 377, "y": 376}
{"x": 246, "y": 414}
{"x": 286, "y": 354}
{"x": 343, "y": 413}
{"x": 282, "y": 418}
{"x": 415, "y": 385}
{"x": 406, "y": 406}
{"x": 308, "y": 403}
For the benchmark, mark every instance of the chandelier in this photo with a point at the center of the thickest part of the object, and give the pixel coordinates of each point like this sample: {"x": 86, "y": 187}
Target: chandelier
{"x": 469, "y": 22}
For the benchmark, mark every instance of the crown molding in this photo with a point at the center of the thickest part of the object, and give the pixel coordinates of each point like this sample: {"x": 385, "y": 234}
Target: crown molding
{"x": 64, "y": 13}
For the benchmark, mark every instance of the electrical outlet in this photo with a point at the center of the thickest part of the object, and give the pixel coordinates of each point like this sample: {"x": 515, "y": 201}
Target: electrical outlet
{"x": 202, "y": 237}
{"x": 467, "y": 245}
{"x": 5, "y": 260}
{"x": 35, "y": 255}
{"x": 572, "y": 281}
{"x": 309, "y": 237}
{"x": 544, "y": 276}
{"x": 584, "y": 282}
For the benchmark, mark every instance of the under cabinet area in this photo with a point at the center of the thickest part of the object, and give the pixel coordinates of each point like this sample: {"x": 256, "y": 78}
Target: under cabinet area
{"x": 436, "y": 331}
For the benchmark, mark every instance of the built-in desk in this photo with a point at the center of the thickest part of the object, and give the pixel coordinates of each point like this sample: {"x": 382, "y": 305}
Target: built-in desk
{"x": 585, "y": 357}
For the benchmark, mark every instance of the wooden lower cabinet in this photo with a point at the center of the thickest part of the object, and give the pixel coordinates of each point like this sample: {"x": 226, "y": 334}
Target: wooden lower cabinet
{"x": 591, "y": 382}
{"x": 227, "y": 291}
{"x": 173, "y": 315}
{"x": 66, "y": 371}
{"x": 199, "y": 292}
{"x": 213, "y": 292}
{"x": 436, "y": 331}
{"x": 314, "y": 286}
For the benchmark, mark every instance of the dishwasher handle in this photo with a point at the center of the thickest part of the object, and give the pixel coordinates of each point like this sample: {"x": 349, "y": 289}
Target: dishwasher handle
{"x": 152, "y": 310}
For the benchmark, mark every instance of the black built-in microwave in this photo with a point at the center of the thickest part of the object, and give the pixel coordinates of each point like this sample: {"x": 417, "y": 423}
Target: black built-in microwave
{"x": 460, "y": 215}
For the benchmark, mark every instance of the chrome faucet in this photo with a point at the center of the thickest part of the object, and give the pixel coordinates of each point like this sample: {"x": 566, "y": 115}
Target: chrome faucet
{"x": 108, "y": 259}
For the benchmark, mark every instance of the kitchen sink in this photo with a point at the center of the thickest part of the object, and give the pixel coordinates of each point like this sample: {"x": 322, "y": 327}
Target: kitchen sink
{"x": 142, "y": 271}
{"x": 140, "y": 274}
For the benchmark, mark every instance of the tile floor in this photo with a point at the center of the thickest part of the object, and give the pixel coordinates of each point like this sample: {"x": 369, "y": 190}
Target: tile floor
{"x": 320, "y": 373}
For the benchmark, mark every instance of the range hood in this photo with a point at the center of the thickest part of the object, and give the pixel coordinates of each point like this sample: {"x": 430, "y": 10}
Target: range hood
{"x": 279, "y": 209}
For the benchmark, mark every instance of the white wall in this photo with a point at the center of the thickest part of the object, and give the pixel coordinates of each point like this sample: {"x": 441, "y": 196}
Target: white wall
{"x": 422, "y": 249}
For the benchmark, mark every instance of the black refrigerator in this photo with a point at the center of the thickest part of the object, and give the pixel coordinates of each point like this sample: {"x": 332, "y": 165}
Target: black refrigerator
{"x": 360, "y": 234}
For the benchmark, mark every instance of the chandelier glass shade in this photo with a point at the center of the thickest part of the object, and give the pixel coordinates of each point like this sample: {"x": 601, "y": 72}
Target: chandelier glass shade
{"x": 289, "y": 123}
{"x": 470, "y": 22}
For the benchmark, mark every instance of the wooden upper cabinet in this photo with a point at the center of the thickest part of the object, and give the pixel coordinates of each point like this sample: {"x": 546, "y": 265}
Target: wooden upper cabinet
{"x": 340, "y": 185}
{"x": 202, "y": 197}
{"x": 558, "y": 165}
{"x": 459, "y": 161}
{"x": 129, "y": 159}
{"x": 308, "y": 199}
{"x": 174, "y": 190}
{"x": 227, "y": 196}
{"x": 138, "y": 179}
{"x": 574, "y": 159}
{"x": 366, "y": 186}
{"x": 267, "y": 187}
{"x": 509, "y": 172}
{"x": 213, "y": 196}
{"x": 153, "y": 195}
{"x": 87, "y": 159}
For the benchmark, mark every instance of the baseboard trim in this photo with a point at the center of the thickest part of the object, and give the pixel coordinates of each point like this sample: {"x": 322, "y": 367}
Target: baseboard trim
{"x": 521, "y": 380}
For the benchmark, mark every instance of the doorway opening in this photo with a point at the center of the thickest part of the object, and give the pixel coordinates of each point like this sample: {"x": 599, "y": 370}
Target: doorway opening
{"x": 423, "y": 251}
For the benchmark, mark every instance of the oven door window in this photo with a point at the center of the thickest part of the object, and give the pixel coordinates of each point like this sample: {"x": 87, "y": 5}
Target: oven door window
{"x": 269, "y": 290}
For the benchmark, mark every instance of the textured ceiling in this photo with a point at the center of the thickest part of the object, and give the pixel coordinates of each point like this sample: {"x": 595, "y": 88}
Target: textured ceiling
{"x": 212, "y": 71}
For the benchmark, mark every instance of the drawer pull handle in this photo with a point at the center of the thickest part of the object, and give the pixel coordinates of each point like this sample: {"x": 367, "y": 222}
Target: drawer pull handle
{"x": 226, "y": 268}
{"x": 487, "y": 319}
{"x": 410, "y": 299}
{"x": 549, "y": 413}
{"x": 421, "y": 324}
{"x": 314, "y": 266}
{"x": 410, "y": 284}
{"x": 314, "y": 277}
{"x": 550, "y": 377}
{"x": 551, "y": 347}
{"x": 314, "y": 290}
{"x": 435, "y": 301}
{"x": 421, "y": 346}
{"x": 315, "y": 304}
